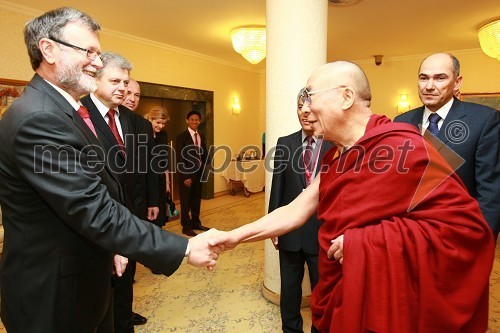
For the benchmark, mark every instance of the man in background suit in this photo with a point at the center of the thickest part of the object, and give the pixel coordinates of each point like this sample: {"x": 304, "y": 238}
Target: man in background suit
{"x": 61, "y": 204}
{"x": 145, "y": 189}
{"x": 129, "y": 159}
{"x": 470, "y": 130}
{"x": 191, "y": 159}
{"x": 291, "y": 176}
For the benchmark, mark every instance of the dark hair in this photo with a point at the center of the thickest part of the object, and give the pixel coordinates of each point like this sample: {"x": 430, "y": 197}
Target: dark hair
{"x": 190, "y": 113}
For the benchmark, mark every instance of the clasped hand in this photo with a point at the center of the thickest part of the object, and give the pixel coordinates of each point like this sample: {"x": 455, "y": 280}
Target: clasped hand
{"x": 336, "y": 250}
{"x": 204, "y": 250}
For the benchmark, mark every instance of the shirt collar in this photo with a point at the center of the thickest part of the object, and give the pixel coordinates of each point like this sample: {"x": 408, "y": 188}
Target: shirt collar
{"x": 191, "y": 131}
{"x": 66, "y": 96}
{"x": 103, "y": 109}
{"x": 442, "y": 112}
{"x": 315, "y": 143}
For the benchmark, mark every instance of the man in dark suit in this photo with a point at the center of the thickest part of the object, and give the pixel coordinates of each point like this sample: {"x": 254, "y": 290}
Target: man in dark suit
{"x": 145, "y": 183}
{"x": 471, "y": 130}
{"x": 129, "y": 158}
{"x": 192, "y": 154}
{"x": 297, "y": 161}
{"x": 61, "y": 205}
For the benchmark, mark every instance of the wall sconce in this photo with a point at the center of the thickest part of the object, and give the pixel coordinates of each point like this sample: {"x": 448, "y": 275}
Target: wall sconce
{"x": 403, "y": 104}
{"x": 236, "y": 106}
{"x": 250, "y": 42}
{"x": 489, "y": 38}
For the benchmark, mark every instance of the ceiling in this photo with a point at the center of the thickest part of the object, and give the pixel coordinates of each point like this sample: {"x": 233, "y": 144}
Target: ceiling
{"x": 392, "y": 28}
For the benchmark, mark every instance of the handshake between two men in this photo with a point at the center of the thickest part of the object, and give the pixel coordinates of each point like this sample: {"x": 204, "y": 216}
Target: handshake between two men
{"x": 205, "y": 248}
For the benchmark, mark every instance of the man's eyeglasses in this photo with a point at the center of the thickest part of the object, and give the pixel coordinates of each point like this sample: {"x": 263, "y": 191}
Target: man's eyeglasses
{"x": 91, "y": 54}
{"x": 305, "y": 94}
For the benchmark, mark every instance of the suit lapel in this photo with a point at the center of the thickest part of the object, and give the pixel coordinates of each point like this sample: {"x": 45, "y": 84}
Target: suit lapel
{"x": 125, "y": 125}
{"x": 41, "y": 85}
{"x": 297, "y": 157}
{"x": 102, "y": 128}
{"x": 457, "y": 111}
{"x": 416, "y": 119}
{"x": 85, "y": 133}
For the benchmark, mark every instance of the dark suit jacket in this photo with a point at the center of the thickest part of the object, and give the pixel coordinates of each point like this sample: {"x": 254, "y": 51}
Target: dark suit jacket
{"x": 61, "y": 219}
{"x": 146, "y": 190}
{"x": 288, "y": 182}
{"x": 473, "y": 132}
{"x": 186, "y": 155}
{"x": 134, "y": 170}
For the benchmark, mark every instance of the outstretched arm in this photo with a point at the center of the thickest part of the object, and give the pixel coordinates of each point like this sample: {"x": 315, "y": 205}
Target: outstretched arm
{"x": 278, "y": 222}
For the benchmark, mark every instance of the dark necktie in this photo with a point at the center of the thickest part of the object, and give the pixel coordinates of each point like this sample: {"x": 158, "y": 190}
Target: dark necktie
{"x": 84, "y": 114}
{"x": 114, "y": 128}
{"x": 308, "y": 153}
{"x": 433, "y": 124}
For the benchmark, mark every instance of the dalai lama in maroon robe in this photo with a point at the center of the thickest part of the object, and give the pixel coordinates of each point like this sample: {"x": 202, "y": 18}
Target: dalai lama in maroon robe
{"x": 411, "y": 250}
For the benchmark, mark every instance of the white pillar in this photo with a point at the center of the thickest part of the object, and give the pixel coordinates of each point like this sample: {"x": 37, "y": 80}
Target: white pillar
{"x": 296, "y": 45}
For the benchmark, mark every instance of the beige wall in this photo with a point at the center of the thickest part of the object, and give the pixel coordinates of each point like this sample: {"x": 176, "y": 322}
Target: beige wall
{"x": 157, "y": 63}
{"x": 161, "y": 64}
{"x": 399, "y": 76}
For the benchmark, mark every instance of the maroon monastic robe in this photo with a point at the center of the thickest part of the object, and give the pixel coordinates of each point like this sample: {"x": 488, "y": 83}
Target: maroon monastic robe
{"x": 417, "y": 251}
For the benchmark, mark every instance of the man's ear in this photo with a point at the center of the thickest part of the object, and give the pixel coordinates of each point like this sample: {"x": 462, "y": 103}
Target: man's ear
{"x": 47, "y": 48}
{"x": 348, "y": 97}
{"x": 458, "y": 83}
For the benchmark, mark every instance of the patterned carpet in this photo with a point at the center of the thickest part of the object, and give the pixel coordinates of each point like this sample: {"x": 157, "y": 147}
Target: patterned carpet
{"x": 229, "y": 299}
{"x": 226, "y": 300}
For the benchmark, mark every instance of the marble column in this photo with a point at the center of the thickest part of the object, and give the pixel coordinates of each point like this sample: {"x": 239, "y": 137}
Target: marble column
{"x": 296, "y": 45}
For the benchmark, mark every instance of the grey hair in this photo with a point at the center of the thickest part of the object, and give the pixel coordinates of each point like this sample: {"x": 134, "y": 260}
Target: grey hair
{"x": 115, "y": 60}
{"x": 456, "y": 65}
{"x": 52, "y": 24}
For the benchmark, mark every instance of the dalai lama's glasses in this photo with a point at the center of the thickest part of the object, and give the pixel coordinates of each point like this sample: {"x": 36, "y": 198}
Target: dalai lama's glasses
{"x": 305, "y": 94}
{"x": 89, "y": 53}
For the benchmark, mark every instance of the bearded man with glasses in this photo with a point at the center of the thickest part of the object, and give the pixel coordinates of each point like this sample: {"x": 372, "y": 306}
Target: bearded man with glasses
{"x": 62, "y": 206}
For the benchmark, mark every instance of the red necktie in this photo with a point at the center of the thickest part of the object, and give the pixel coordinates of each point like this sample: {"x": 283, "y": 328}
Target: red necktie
{"x": 114, "y": 128}
{"x": 308, "y": 152}
{"x": 84, "y": 114}
{"x": 197, "y": 145}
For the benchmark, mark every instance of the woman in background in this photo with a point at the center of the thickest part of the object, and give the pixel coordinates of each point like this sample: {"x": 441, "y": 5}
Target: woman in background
{"x": 158, "y": 116}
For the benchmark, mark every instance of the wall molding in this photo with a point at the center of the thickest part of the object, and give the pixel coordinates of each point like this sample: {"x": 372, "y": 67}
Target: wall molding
{"x": 30, "y": 12}
{"x": 418, "y": 57}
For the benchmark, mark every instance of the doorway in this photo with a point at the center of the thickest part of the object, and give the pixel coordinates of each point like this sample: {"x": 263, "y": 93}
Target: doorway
{"x": 179, "y": 101}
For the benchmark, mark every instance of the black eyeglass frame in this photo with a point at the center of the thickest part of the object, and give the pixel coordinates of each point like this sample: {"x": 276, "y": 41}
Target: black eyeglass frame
{"x": 305, "y": 94}
{"x": 89, "y": 53}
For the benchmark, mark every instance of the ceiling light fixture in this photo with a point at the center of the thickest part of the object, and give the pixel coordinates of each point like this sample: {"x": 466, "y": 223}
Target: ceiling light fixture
{"x": 250, "y": 42}
{"x": 489, "y": 38}
{"x": 343, "y": 2}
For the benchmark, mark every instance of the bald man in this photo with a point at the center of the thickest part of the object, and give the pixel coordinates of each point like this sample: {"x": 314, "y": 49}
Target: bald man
{"x": 133, "y": 95}
{"x": 470, "y": 130}
{"x": 418, "y": 252}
